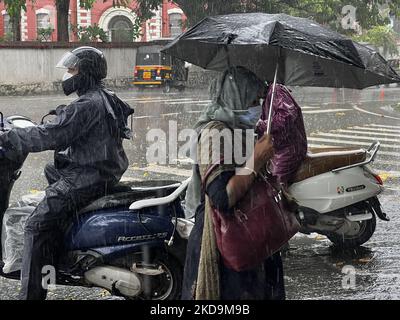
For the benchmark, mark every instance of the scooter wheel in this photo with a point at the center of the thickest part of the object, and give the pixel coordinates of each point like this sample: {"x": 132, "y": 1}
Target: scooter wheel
{"x": 167, "y": 286}
{"x": 365, "y": 230}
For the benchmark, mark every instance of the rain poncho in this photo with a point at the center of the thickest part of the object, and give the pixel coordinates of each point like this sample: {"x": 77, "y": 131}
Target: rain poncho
{"x": 87, "y": 133}
{"x": 89, "y": 159}
{"x": 288, "y": 133}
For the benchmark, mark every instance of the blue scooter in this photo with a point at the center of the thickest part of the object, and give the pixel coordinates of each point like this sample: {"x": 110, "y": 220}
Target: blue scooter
{"x": 131, "y": 242}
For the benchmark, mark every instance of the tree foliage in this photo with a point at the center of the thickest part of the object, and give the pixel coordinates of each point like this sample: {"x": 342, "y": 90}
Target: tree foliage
{"x": 327, "y": 12}
{"x": 381, "y": 36}
{"x": 14, "y": 8}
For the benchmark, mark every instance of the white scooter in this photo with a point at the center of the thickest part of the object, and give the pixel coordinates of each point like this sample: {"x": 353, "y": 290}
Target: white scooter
{"x": 337, "y": 193}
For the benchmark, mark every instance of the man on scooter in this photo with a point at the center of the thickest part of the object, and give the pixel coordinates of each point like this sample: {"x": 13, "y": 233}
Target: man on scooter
{"x": 89, "y": 159}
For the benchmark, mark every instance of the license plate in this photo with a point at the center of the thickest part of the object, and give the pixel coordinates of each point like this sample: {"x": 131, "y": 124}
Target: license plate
{"x": 146, "y": 75}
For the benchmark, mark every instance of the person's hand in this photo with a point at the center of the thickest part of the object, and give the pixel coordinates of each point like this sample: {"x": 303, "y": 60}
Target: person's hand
{"x": 263, "y": 151}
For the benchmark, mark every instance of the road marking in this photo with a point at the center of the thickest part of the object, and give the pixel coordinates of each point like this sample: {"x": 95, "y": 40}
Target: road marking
{"x": 50, "y": 98}
{"x": 360, "y": 143}
{"x": 167, "y": 170}
{"x": 374, "y": 114}
{"x": 313, "y": 145}
{"x": 307, "y": 107}
{"x": 390, "y": 174}
{"x": 392, "y": 189}
{"x": 170, "y": 114}
{"x": 383, "y": 126}
{"x": 194, "y": 111}
{"x": 372, "y": 133}
{"x": 156, "y": 99}
{"x": 387, "y": 162}
{"x": 354, "y": 137}
{"x": 173, "y": 101}
{"x": 143, "y": 117}
{"x": 376, "y": 129}
{"x": 195, "y": 102}
{"x": 326, "y": 111}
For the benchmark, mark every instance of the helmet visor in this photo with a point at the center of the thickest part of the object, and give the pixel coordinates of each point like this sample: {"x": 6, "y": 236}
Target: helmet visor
{"x": 68, "y": 60}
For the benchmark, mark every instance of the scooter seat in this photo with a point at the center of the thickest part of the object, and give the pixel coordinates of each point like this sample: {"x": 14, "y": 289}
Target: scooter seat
{"x": 123, "y": 194}
{"x": 321, "y": 160}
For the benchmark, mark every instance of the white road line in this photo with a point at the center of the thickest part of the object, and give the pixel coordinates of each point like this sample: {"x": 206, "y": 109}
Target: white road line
{"x": 313, "y": 145}
{"x": 170, "y": 114}
{"x": 188, "y": 101}
{"x": 144, "y": 117}
{"x": 383, "y": 126}
{"x": 194, "y": 111}
{"x": 47, "y": 98}
{"x": 156, "y": 99}
{"x": 392, "y": 189}
{"x": 387, "y": 162}
{"x": 167, "y": 170}
{"x": 325, "y": 134}
{"x": 374, "y": 114}
{"x": 371, "y": 133}
{"x": 195, "y": 102}
{"x": 388, "y": 153}
{"x": 360, "y": 143}
{"x": 376, "y": 129}
{"x": 307, "y": 107}
{"x": 326, "y": 111}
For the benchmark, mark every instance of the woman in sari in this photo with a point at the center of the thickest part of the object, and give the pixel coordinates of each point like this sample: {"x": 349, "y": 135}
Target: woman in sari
{"x": 220, "y": 183}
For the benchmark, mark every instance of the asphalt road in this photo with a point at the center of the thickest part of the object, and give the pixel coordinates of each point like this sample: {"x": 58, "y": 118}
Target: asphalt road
{"x": 313, "y": 268}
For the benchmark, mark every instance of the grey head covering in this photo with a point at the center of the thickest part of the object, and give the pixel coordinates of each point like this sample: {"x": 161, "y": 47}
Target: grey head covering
{"x": 233, "y": 94}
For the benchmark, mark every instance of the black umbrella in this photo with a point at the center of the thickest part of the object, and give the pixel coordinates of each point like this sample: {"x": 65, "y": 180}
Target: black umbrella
{"x": 283, "y": 49}
{"x": 308, "y": 54}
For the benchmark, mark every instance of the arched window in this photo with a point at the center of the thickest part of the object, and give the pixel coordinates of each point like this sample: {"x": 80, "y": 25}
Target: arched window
{"x": 175, "y": 24}
{"x": 7, "y": 26}
{"x": 42, "y": 21}
{"x": 120, "y": 28}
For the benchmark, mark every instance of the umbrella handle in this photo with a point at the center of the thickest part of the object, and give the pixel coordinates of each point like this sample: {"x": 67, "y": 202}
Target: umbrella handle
{"x": 272, "y": 99}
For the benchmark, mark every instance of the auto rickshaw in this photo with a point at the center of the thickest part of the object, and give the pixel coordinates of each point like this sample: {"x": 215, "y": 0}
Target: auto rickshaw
{"x": 156, "y": 69}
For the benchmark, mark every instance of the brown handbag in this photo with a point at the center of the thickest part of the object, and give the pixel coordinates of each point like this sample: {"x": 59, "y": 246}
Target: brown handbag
{"x": 261, "y": 225}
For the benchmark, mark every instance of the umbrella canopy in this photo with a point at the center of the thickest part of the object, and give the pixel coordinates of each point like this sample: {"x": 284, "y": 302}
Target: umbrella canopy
{"x": 307, "y": 53}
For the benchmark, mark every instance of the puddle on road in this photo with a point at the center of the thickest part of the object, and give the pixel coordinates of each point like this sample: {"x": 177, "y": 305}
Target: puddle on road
{"x": 314, "y": 269}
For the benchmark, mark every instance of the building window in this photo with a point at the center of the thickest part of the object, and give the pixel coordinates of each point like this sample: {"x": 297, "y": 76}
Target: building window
{"x": 121, "y": 29}
{"x": 175, "y": 24}
{"x": 7, "y": 27}
{"x": 42, "y": 21}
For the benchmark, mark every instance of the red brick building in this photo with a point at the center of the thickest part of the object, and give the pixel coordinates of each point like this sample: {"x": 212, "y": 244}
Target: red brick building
{"x": 116, "y": 21}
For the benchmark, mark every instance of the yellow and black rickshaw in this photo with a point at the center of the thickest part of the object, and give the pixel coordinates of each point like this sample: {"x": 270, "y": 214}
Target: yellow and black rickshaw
{"x": 156, "y": 69}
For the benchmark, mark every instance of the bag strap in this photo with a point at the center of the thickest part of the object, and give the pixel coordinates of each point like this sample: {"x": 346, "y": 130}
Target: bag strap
{"x": 210, "y": 169}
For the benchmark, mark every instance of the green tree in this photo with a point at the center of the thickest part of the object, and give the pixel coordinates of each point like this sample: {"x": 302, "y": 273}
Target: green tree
{"x": 327, "y": 12}
{"x": 90, "y": 33}
{"x": 381, "y": 36}
{"x": 14, "y": 8}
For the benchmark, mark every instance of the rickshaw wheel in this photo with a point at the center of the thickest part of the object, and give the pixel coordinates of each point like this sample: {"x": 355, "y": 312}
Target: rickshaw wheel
{"x": 167, "y": 88}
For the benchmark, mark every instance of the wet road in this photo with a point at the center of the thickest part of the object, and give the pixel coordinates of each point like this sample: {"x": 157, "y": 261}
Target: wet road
{"x": 313, "y": 268}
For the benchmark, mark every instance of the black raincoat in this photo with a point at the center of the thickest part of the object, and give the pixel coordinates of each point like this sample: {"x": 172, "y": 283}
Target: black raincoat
{"x": 89, "y": 159}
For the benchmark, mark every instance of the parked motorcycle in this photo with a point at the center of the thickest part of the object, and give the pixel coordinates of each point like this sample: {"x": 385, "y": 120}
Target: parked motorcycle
{"x": 337, "y": 192}
{"x": 134, "y": 248}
